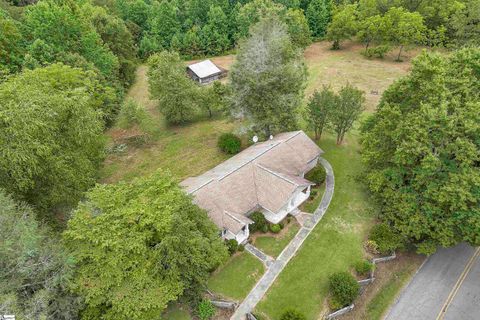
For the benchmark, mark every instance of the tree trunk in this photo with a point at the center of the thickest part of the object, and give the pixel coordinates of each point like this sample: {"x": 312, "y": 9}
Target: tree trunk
{"x": 210, "y": 113}
{"x": 399, "y": 53}
{"x": 316, "y": 133}
{"x": 336, "y": 44}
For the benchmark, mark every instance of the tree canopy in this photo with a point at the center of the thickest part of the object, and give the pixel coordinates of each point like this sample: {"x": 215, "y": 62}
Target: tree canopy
{"x": 268, "y": 78}
{"x": 138, "y": 246}
{"x": 51, "y": 141}
{"x": 422, "y": 151}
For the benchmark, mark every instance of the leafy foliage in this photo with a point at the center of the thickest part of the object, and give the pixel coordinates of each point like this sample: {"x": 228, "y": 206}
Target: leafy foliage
{"x": 317, "y": 175}
{"x": 363, "y": 267}
{"x": 319, "y": 109}
{"x": 350, "y": 103}
{"x": 232, "y": 246}
{"x": 344, "y": 25}
{"x": 51, "y": 142}
{"x": 206, "y": 310}
{"x": 386, "y": 238}
{"x": 421, "y": 149}
{"x": 319, "y": 15}
{"x": 176, "y": 94}
{"x": 344, "y": 289}
{"x": 138, "y": 246}
{"x": 275, "y": 228}
{"x": 229, "y": 143}
{"x": 259, "y": 222}
{"x": 34, "y": 267}
{"x": 292, "y": 315}
{"x": 268, "y": 78}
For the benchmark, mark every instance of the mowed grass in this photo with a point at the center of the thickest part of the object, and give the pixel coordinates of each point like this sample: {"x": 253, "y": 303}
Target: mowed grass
{"x": 236, "y": 277}
{"x": 338, "y": 67}
{"x": 273, "y": 245}
{"x": 334, "y": 245}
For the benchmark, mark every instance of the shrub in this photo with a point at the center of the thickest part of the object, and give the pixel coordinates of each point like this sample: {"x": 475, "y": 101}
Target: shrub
{"x": 275, "y": 228}
{"x": 232, "y": 245}
{"x": 313, "y": 193}
{"x": 344, "y": 288}
{"x": 229, "y": 143}
{"x": 363, "y": 267}
{"x": 317, "y": 175}
{"x": 378, "y": 51}
{"x": 386, "y": 238}
{"x": 131, "y": 113}
{"x": 371, "y": 246}
{"x": 260, "y": 223}
{"x": 241, "y": 248}
{"x": 206, "y": 310}
{"x": 292, "y": 315}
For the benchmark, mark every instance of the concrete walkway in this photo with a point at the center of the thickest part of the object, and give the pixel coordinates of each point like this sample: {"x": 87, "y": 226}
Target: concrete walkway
{"x": 259, "y": 254}
{"x": 278, "y": 265}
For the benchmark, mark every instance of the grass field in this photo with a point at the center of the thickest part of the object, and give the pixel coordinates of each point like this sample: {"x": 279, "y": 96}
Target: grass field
{"x": 237, "y": 277}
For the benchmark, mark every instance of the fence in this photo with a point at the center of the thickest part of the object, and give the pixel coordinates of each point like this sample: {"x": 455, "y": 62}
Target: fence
{"x": 363, "y": 284}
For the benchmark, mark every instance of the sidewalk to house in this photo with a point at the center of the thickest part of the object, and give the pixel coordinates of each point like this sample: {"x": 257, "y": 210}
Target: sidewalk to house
{"x": 262, "y": 286}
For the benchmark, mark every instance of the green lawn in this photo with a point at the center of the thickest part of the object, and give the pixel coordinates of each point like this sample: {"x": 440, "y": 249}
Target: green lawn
{"x": 333, "y": 245}
{"x": 385, "y": 297}
{"x": 237, "y": 277}
{"x": 273, "y": 246}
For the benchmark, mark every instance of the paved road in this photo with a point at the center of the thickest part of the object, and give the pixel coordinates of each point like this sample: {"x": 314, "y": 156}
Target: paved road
{"x": 447, "y": 287}
{"x": 257, "y": 293}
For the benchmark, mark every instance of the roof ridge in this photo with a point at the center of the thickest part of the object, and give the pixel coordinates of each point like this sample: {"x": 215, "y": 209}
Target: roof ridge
{"x": 278, "y": 174}
{"x": 233, "y": 217}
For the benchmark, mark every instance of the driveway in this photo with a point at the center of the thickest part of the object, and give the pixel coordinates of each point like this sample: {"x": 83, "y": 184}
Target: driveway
{"x": 447, "y": 287}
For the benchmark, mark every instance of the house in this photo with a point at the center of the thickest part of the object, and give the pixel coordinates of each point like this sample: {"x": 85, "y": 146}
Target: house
{"x": 205, "y": 71}
{"x": 266, "y": 177}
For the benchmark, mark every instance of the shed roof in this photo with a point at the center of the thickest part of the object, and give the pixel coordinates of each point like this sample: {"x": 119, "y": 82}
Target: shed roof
{"x": 204, "y": 68}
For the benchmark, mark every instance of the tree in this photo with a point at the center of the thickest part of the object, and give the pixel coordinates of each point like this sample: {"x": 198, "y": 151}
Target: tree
{"x": 11, "y": 49}
{"x": 350, "y": 104}
{"x": 344, "y": 25}
{"x": 163, "y": 22}
{"x": 371, "y": 29}
{"x": 176, "y": 94}
{"x": 403, "y": 28}
{"x": 298, "y": 29}
{"x": 319, "y": 108}
{"x": 139, "y": 246}
{"x": 319, "y": 15}
{"x": 421, "y": 149}
{"x": 34, "y": 267}
{"x": 268, "y": 78}
{"x": 252, "y": 12}
{"x": 215, "y": 32}
{"x": 466, "y": 24}
{"x": 51, "y": 142}
{"x": 214, "y": 98}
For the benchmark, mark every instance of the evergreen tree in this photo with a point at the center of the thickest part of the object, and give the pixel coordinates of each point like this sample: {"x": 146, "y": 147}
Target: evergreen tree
{"x": 319, "y": 15}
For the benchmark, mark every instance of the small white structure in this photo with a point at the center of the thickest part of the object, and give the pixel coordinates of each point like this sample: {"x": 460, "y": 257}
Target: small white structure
{"x": 267, "y": 177}
{"x": 205, "y": 71}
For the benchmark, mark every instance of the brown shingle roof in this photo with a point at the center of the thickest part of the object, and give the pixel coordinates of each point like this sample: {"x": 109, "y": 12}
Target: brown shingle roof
{"x": 263, "y": 175}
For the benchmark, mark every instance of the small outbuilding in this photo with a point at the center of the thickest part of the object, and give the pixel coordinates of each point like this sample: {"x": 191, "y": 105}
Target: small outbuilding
{"x": 205, "y": 72}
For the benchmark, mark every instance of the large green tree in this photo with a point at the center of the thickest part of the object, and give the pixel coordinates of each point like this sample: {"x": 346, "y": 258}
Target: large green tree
{"x": 466, "y": 24}
{"x": 319, "y": 109}
{"x": 168, "y": 82}
{"x": 268, "y": 78}
{"x": 422, "y": 151}
{"x": 139, "y": 246}
{"x": 319, "y": 15}
{"x": 34, "y": 267}
{"x": 51, "y": 140}
{"x": 344, "y": 25}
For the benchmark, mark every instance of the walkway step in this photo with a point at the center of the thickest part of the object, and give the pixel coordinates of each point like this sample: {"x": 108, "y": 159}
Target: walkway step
{"x": 266, "y": 259}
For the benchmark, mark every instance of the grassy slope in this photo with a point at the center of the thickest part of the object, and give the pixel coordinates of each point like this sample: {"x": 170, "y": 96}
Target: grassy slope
{"x": 334, "y": 244}
{"x": 235, "y": 279}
